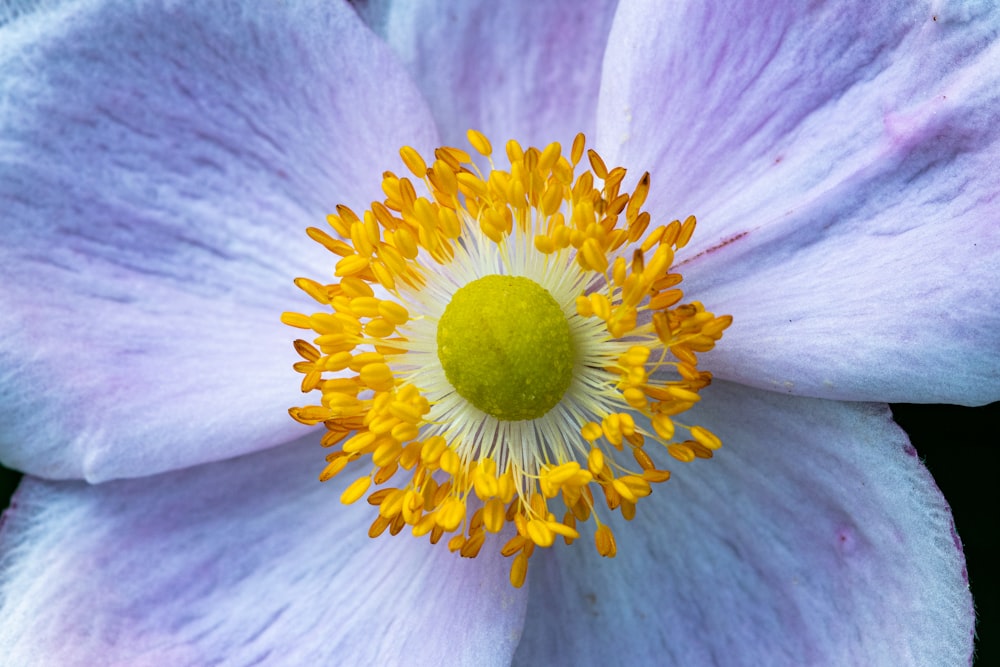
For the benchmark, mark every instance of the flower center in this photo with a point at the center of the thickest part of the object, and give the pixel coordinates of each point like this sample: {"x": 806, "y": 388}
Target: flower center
{"x": 505, "y": 351}
{"x": 505, "y": 346}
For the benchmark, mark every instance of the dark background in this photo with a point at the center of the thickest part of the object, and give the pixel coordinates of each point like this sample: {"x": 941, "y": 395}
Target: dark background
{"x": 961, "y": 447}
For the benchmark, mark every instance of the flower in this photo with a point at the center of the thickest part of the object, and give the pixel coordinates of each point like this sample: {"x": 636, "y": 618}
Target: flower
{"x": 159, "y": 163}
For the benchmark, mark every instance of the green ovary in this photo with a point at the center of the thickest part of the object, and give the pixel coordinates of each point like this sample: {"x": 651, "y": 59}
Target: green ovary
{"x": 505, "y": 347}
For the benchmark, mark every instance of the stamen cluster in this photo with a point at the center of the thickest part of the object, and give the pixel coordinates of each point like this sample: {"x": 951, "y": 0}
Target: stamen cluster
{"x": 454, "y": 469}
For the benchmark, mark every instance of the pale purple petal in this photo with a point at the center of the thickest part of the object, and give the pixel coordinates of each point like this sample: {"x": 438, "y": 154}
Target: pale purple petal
{"x": 814, "y": 537}
{"x": 159, "y": 163}
{"x": 843, "y": 161}
{"x": 514, "y": 70}
{"x": 239, "y": 562}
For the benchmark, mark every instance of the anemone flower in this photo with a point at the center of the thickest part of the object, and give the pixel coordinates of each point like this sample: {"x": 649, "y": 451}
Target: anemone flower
{"x": 160, "y": 162}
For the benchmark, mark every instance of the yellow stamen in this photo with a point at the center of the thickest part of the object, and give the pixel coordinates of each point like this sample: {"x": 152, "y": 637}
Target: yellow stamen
{"x": 601, "y": 363}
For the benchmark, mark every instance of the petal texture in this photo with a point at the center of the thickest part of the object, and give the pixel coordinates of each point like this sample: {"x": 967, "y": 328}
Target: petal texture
{"x": 814, "y": 537}
{"x": 523, "y": 70}
{"x": 159, "y": 165}
{"x": 248, "y": 561}
{"x": 842, "y": 160}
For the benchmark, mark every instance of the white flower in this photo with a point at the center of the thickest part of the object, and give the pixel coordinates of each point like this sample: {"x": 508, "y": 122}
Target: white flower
{"x": 157, "y": 166}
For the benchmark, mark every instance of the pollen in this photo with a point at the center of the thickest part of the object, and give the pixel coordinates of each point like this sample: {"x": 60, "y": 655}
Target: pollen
{"x": 504, "y": 354}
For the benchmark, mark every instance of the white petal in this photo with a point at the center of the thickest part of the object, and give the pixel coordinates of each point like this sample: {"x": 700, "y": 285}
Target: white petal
{"x": 842, "y": 160}
{"x": 159, "y": 165}
{"x": 238, "y": 562}
{"x": 814, "y": 537}
{"x": 514, "y": 70}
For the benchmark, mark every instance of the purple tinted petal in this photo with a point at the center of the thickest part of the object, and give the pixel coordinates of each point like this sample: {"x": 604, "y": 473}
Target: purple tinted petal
{"x": 238, "y": 562}
{"x": 842, "y": 160}
{"x": 814, "y": 537}
{"x": 523, "y": 70}
{"x": 159, "y": 165}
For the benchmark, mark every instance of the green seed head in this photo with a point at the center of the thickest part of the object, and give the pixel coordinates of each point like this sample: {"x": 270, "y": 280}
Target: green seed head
{"x": 505, "y": 347}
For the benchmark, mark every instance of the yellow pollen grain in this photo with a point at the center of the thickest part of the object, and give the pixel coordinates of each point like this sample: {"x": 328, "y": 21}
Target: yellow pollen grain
{"x": 604, "y": 539}
{"x": 356, "y": 489}
{"x": 480, "y": 142}
{"x": 705, "y": 437}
